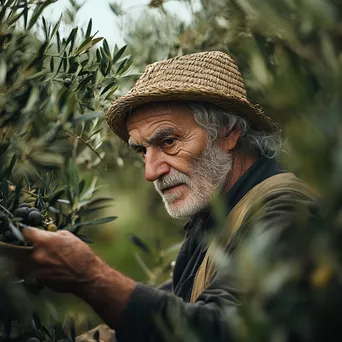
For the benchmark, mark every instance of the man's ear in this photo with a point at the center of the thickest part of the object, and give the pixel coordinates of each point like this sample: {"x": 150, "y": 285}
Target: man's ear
{"x": 228, "y": 141}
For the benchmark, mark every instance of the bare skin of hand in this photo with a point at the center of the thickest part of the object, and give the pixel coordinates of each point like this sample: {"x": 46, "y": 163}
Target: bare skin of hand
{"x": 64, "y": 263}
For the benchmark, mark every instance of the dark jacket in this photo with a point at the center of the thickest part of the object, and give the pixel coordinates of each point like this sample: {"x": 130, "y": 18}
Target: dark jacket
{"x": 152, "y": 312}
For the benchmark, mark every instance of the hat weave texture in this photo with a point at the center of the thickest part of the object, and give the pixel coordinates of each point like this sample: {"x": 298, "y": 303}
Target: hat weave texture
{"x": 210, "y": 77}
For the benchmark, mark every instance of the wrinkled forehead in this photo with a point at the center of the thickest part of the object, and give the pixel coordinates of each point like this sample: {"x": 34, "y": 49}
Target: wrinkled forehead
{"x": 173, "y": 110}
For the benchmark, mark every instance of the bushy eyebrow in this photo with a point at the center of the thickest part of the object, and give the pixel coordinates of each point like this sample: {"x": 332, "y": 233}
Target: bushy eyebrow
{"x": 159, "y": 135}
{"x": 135, "y": 146}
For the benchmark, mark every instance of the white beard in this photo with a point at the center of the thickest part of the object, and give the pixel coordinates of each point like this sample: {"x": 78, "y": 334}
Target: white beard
{"x": 209, "y": 175}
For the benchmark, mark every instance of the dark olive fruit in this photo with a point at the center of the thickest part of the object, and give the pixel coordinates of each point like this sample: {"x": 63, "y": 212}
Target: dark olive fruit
{"x": 8, "y": 236}
{"x": 67, "y": 82}
{"x": 23, "y": 205}
{"x": 22, "y": 212}
{"x": 34, "y": 218}
{"x": 33, "y": 209}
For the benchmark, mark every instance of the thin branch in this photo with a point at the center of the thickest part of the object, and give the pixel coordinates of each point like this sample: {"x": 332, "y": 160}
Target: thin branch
{"x": 84, "y": 142}
{"x": 8, "y": 212}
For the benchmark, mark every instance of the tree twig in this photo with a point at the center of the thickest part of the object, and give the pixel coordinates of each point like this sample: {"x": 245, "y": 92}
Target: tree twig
{"x": 84, "y": 142}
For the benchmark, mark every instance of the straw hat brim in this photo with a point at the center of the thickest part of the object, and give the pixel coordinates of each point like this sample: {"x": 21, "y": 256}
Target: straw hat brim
{"x": 118, "y": 112}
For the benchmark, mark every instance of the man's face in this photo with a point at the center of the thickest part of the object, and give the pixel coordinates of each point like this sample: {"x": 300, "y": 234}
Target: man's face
{"x": 185, "y": 170}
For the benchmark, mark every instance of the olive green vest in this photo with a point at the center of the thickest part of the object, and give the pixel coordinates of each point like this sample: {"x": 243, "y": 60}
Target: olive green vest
{"x": 283, "y": 182}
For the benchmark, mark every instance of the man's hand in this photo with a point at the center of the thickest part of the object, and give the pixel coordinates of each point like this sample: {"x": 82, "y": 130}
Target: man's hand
{"x": 60, "y": 260}
{"x": 64, "y": 263}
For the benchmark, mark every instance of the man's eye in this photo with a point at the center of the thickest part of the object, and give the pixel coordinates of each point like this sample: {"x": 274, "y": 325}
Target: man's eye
{"x": 169, "y": 142}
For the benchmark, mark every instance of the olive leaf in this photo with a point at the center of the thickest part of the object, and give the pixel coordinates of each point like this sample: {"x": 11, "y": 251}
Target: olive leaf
{"x": 87, "y": 117}
{"x": 4, "y": 145}
{"x": 76, "y": 228}
{"x": 139, "y": 243}
{"x": 118, "y": 54}
{"x": 5, "y": 173}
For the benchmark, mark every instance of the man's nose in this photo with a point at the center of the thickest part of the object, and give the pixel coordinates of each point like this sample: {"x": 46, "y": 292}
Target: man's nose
{"x": 155, "y": 165}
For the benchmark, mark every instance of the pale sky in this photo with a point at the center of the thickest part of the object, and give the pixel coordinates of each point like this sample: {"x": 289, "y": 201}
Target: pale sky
{"x": 103, "y": 18}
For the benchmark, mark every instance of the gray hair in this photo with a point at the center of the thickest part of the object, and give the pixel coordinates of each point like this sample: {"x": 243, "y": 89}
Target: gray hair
{"x": 212, "y": 118}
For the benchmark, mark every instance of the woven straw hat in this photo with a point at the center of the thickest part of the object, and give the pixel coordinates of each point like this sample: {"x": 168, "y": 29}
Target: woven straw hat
{"x": 211, "y": 77}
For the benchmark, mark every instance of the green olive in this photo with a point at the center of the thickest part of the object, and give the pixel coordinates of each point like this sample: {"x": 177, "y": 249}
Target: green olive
{"x": 52, "y": 227}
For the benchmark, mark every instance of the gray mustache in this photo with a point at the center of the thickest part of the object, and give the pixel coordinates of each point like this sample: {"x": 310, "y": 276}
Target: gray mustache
{"x": 169, "y": 181}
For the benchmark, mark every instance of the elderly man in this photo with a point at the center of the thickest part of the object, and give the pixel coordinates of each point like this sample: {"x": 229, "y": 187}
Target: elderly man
{"x": 190, "y": 119}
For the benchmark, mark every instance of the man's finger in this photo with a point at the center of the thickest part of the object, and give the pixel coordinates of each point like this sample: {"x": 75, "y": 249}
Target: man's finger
{"x": 33, "y": 234}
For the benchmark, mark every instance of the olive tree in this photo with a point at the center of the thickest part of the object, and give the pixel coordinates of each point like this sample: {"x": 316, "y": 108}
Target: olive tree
{"x": 54, "y": 88}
